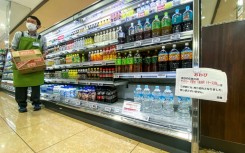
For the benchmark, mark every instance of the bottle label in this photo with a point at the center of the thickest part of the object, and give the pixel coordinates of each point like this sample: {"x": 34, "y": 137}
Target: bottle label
{"x": 154, "y": 59}
{"x": 177, "y": 19}
{"x": 156, "y": 25}
{"x": 147, "y": 60}
{"x": 137, "y": 60}
{"x": 119, "y": 61}
{"x": 124, "y": 61}
{"x": 139, "y": 29}
{"x": 166, "y": 22}
{"x": 187, "y": 16}
{"x": 160, "y": 8}
{"x": 174, "y": 56}
{"x": 147, "y": 12}
{"x": 163, "y": 57}
{"x": 187, "y": 54}
{"x": 131, "y": 31}
{"x": 130, "y": 60}
{"x": 147, "y": 27}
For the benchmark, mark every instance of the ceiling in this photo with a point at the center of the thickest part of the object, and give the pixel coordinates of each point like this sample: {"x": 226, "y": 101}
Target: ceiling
{"x": 19, "y": 9}
{"x": 208, "y": 8}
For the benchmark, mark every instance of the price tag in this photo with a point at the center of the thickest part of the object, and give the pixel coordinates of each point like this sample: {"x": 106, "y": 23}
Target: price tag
{"x": 67, "y": 101}
{"x": 93, "y": 106}
{"x": 137, "y": 76}
{"x": 103, "y": 63}
{"x": 131, "y": 107}
{"x": 156, "y": 40}
{"x": 116, "y": 76}
{"x": 175, "y": 36}
{"x": 77, "y": 103}
{"x": 108, "y": 109}
{"x": 120, "y": 47}
{"x": 87, "y": 83}
{"x": 161, "y": 76}
{"x": 100, "y": 84}
{"x": 137, "y": 44}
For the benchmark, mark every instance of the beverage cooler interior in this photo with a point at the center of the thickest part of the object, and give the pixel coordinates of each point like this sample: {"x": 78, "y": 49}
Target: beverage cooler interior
{"x": 117, "y": 60}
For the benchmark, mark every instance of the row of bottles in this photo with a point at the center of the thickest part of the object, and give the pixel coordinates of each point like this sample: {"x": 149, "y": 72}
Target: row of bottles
{"x": 108, "y": 53}
{"x": 107, "y": 35}
{"x": 166, "y": 26}
{"x": 158, "y": 102}
{"x": 153, "y": 61}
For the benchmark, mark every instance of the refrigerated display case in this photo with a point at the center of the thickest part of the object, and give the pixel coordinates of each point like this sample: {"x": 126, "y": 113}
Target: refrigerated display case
{"x": 83, "y": 77}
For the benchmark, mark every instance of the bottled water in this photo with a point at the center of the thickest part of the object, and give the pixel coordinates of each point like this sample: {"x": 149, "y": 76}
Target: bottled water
{"x": 147, "y": 100}
{"x": 168, "y": 101}
{"x": 184, "y": 107}
{"x": 157, "y": 107}
{"x": 138, "y": 94}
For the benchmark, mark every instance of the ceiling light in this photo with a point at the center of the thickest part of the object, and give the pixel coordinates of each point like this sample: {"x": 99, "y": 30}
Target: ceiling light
{"x": 6, "y": 41}
{"x": 203, "y": 17}
{"x": 240, "y": 2}
{"x": 2, "y": 25}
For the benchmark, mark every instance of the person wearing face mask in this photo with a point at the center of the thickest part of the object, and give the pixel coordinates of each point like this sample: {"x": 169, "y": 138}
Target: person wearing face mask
{"x": 26, "y": 40}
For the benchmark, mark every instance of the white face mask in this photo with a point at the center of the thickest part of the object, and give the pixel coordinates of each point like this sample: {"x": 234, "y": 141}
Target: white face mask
{"x": 31, "y": 26}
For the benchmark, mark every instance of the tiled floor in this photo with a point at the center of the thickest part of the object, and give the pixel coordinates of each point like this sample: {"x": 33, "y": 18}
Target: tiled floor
{"x": 46, "y": 131}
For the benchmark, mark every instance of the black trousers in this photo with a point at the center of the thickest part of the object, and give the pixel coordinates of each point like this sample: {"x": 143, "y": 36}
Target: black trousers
{"x": 21, "y": 95}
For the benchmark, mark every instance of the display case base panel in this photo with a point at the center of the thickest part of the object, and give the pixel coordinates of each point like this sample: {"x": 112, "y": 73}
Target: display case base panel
{"x": 157, "y": 140}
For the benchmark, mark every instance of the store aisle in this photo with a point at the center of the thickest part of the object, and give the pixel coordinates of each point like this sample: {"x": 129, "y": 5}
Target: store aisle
{"x": 46, "y": 131}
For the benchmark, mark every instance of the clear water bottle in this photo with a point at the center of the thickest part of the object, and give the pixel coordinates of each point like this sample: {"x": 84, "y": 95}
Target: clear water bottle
{"x": 138, "y": 94}
{"x": 184, "y": 107}
{"x": 157, "y": 107}
{"x": 168, "y": 102}
{"x": 147, "y": 100}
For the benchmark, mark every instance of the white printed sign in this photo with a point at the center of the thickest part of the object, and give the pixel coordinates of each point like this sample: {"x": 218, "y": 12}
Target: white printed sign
{"x": 201, "y": 83}
{"x": 133, "y": 109}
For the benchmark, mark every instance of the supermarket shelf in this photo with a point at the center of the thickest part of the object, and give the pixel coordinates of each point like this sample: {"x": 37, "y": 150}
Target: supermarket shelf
{"x": 156, "y": 123}
{"x": 86, "y": 48}
{"x": 8, "y": 71}
{"x": 7, "y": 79}
{"x": 157, "y": 40}
{"x": 167, "y": 75}
{"x": 86, "y": 82}
{"x": 119, "y": 22}
{"x": 84, "y": 64}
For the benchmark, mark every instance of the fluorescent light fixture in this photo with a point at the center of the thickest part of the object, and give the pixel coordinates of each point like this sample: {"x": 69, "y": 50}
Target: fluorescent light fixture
{"x": 203, "y": 17}
{"x": 6, "y": 41}
{"x": 240, "y": 2}
{"x": 2, "y": 25}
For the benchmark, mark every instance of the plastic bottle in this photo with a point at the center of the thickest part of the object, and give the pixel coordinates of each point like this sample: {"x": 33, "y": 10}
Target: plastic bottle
{"x": 177, "y": 21}
{"x": 147, "y": 62}
{"x": 186, "y": 57}
{"x": 156, "y": 27}
{"x": 109, "y": 34}
{"x": 174, "y": 59}
{"x": 138, "y": 10}
{"x": 116, "y": 33}
{"x": 89, "y": 56}
{"x": 138, "y": 94}
{"x": 157, "y": 105}
{"x": 113, "y": 33}
{"x": 138, "y": 31}
{"x": 124, "y": 67}
{"x": 142, "y": 9}
{"x": 121, "y": 36}
{"x": 166, "y": 24}
{"x": 147, "y": 29}
{"x": 184, "y": 104}
{"x": 163, "y": 61}
{"x": 131, "y": 33}
{"x": 154, "y": 59}
{"x": 147, "y": 100}
{"x": 118, "y": 63}
{"x": 147, "y": 8}
{"x": 168, "y": 102}
{"x": 130, "y": 62}
{"x": 137, "y": 62}
{"x": 187, "y": 19}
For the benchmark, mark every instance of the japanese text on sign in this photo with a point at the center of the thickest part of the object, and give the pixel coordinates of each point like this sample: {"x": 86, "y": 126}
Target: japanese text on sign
{"x": 202, "y": 83}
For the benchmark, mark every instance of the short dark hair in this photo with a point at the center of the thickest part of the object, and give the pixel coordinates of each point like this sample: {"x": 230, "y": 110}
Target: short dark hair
{"x": 35, "y": 18}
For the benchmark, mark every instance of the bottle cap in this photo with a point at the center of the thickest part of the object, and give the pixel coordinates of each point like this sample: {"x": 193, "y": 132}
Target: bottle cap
{"x": 186, "y": 44}
{"x": 187, "y": 8}
{"x": 165, "y": 13}
{"x": 174, "y": 45}
{"x": 177, "y": 11}
{"x": 167, "y": 87}
{"x": 146, "y": 86}
{"x": 156, "y": 16}
{"x": 157, "y": 87}
{"x": 139, "y": 22}
{"x": 163, "y": 47}
{"x": 147, "y": 19}
{"x": 138, "y": 86}
{"x": 132, "y": 24}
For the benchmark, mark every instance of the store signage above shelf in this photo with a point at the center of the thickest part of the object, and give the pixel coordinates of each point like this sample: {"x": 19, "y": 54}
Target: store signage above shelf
{"x": 157, "y": 40}
{"x": 166, "y": 74}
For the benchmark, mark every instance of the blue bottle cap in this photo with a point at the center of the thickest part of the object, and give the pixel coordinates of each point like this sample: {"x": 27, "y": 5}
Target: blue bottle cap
{"x": 177, "y": 11}
{"x": 146, "y": 86}
{"x": 157, "y": 87}
{"x": 187, "y": 8}
{"x": 138, "y": 86}
{"x": 167, "y": 87}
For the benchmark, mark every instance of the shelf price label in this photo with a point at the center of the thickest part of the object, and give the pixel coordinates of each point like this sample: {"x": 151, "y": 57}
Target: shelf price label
{"x": 137, "y": 43}
{"x": 137, "y": 76}
{"x": 156, "y": 40}
{"x": 119, "y": 47}
{"x": 93, "y": 106}
{"x": 100, "y": 84}
{"x": 108, "y": 109}
{"x": 103, "y": 63}
{"x": 161, "y": 76}
{"x": 175, "y": 36}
